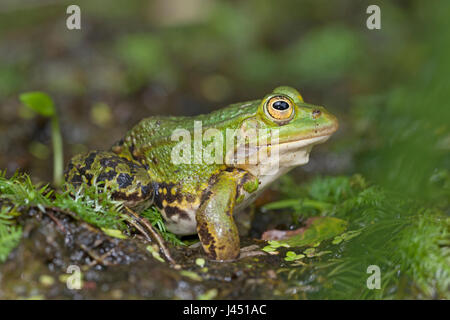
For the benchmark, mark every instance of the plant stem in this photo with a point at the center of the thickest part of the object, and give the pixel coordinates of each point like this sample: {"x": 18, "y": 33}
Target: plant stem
{"x": 57, "y": 152}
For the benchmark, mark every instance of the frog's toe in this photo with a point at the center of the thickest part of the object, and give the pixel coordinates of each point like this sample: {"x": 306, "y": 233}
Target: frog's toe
{"x": 251, "y": 251}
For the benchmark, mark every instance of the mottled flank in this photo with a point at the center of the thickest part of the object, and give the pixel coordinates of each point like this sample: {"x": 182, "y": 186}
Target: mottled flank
{"x": 173, "y": 203}
{"x": 126, "y": 180}
{"x": 175, "y": 211}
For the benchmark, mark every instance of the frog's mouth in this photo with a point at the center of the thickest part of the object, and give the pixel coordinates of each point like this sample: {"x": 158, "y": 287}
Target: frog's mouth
{"x": 296, "y": 153}
{"x": 272, "y": 158}
{"x": 325, "y": 131}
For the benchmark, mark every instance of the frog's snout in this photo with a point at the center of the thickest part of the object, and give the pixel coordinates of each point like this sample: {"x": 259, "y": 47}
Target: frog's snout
{"x": 326, "y": 119}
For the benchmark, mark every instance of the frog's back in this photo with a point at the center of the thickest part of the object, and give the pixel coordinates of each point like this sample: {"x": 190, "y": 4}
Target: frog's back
{"x": 159, "y": 129}
{"x": 151, "y": 143}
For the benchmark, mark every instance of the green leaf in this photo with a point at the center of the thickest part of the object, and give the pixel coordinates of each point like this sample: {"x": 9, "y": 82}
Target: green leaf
{"x": 39, "y": 102}
{"x": 200, "y": 262}
{"x": 310, "y": 252}
{"x": 191, "y": 275}
{"x": 208, "y": 295}
{"x": 269, "y": 248}
{"x": 114, "y": 233}
{"x": 292, "y": 256}
{"x": 337, "y": 240}
{"x": 282, "y": 204}
{"x": 154, "y": 251}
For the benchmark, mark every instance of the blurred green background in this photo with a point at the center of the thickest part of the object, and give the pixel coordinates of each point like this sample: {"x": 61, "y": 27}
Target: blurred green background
{"x": 389, "y": 88}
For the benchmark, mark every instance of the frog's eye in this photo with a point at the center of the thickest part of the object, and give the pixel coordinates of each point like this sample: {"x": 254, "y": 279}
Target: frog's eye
{"x": 280, "y": 108}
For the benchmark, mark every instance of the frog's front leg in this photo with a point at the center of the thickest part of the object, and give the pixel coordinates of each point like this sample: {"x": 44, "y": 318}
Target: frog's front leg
{"x": 215, "y": 224}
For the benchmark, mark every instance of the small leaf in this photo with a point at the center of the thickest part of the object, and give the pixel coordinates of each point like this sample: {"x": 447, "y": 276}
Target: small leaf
{"x": 39, "y": 102}
{"x": 322, "y": 228}
{"x": 350, "y": 234}
{"x": 310, "y": 252}
{"x": 200, "y": 262}
{"x": 290, "y": 254}
{"x": 321, "y": 253}
{"x": 269, "y": 249}
{"x": 337, "y": 240}
{"x": 277, "y": 244}
{"x": 208, "y": 295}
{"x": 114, "y": 233}
{"x": 154, "y": 251}
{"x": 191, "y": 275}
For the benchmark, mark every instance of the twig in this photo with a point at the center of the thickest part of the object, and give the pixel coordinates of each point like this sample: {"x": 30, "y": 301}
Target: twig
{"x": 97, "y": 259}
{"x": 154, "y": 233}
{"x": 74, "y": 216}
{"x": 57, "y": 222}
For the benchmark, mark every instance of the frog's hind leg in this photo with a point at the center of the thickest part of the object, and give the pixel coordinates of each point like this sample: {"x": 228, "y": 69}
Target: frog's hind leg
{"x": 126, "y": 180}
{"x": 215, "y": 224}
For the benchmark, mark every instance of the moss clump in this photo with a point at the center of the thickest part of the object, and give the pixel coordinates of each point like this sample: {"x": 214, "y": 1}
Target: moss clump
{"x": 88, "y": 203}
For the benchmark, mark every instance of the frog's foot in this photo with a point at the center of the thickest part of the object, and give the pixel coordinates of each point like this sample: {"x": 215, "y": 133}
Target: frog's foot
{"x": 127, "y": 181}
{"x": 277, "y": 235}
{"x": 251, "y": 251}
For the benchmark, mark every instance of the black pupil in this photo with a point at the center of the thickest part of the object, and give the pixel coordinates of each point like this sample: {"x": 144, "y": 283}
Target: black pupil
{"x": 280, "y": 105}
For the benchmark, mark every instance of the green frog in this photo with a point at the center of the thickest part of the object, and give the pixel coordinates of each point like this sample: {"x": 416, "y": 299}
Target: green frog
{"x": 196, "y": 195}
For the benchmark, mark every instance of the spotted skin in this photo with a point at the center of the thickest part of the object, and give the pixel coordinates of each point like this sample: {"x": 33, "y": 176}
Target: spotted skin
{"x": 126, "y": 180}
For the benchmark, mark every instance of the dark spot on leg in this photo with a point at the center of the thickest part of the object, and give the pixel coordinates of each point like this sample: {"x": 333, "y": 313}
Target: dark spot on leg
{"x": 76, "y": 179}
{"x": 131, "y": 149}
{"x": 146, "y": 191}
{"x": 190, "y": 197}
{"x": 106, "y": 176}
{"x": 205, "y": 196}
{"x": 124, "y": 180}
{"x": 108, "y": 163}
{"x": 207, "y": 240}
{"x": 174, "y": 211}
{"x": 158, "y": 197}
{"x": 169, "y": 197}
{"x": 90, "y": 159}
{"x": 88, "y": 177}
{"x": 158, "y": 201}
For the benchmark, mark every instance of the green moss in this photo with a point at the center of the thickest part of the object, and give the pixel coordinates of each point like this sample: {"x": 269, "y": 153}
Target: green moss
{"x": 88, "y": 203}
{"x": 408, "y": 239}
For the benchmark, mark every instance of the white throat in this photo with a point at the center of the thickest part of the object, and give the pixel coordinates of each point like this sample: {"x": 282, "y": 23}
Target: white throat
{"x": 283, "y": 158}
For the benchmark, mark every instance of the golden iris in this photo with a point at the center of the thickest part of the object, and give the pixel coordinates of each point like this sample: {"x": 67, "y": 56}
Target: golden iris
{"x": 280, "y": 108}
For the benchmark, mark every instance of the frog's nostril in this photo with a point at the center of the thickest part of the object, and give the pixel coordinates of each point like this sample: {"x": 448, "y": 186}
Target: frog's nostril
{"x": 316, "y": 113}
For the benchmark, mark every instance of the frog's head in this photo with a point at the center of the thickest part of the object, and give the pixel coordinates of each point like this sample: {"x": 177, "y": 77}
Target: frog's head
{"x": 298, "y": 125}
